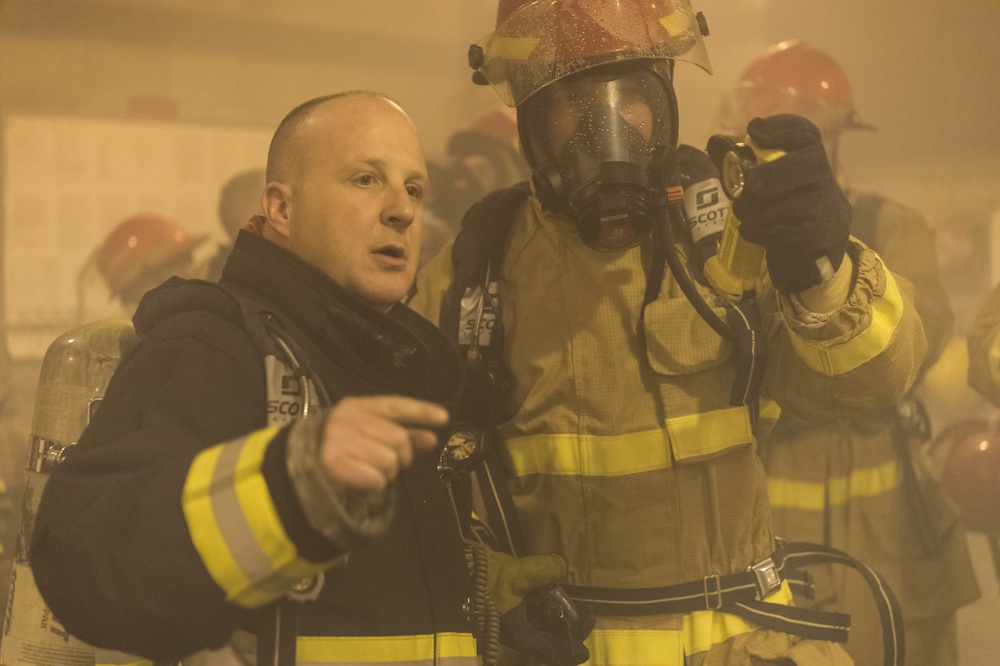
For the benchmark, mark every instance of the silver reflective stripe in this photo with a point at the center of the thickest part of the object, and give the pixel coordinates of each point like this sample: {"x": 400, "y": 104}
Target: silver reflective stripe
{"x": 236, "y": 529}
{"x": 233, "y": 522}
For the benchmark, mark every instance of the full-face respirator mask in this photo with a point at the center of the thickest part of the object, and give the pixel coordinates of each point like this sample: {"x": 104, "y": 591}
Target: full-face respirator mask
{"x": 599, "y": 143}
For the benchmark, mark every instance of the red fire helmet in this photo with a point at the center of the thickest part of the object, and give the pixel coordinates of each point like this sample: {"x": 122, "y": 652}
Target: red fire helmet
{"x": 971, "y": 473}
{"x": 537, "y": 42}
{"x": 794, "y": 77}
{"x": 140, "y": 242}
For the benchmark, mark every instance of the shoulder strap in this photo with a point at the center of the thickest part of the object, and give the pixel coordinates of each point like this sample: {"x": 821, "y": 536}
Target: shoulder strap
{"x": 479, "y": 245}
{"x": 291, "y": 391}
{"x": 472, "y": 299}
{"x": 864, "y": 225}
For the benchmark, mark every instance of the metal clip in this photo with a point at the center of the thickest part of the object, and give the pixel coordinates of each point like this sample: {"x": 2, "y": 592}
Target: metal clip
{"x": 768, "y": 578}
{"x": 712, "y": 594}
{"x": 307, "y": 589}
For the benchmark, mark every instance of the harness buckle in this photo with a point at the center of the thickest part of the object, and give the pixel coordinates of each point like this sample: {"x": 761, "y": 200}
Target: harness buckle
{"x": 767, "y": 577}
{"x": 713, "y": 592}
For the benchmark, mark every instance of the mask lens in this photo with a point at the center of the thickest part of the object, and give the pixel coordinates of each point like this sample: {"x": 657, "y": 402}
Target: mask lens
{"x": 605, "y": 117}
{"x": 591, "y": 139}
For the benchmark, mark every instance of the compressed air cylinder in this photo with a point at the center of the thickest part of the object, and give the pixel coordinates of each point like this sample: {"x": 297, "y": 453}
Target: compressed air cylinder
{"x": 75, "y": 373}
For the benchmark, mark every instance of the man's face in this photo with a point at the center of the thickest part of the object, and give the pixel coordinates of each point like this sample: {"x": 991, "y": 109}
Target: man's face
{"x": 354, "y": 211}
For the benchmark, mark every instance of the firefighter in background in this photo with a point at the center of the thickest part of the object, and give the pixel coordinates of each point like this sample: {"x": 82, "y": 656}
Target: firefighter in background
{"x": 239, "y": 200}
{"x": 480, "y": 159}
{"x": 860, "y": 485}
{"x": 976, "y": 469}
{"x": 984, "y": 349}
{"x": 142, "y": 252}
{"x": 622, "y": 446}
{"x": 11, "y": 445}
{"x": 970, "y": 447}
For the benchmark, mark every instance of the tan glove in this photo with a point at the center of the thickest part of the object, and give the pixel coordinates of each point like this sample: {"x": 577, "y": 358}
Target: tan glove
{"x": 511, "y": 578}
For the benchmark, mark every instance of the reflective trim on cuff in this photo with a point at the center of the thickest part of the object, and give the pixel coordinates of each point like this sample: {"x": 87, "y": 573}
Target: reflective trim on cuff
{"x": 448, "y": 649}
{"x": 887, "y": 310}
{"x": 691, "y": 436}
{"x": 234, "y": 524}
{"x": 836, "y": 491}
{"x": 650, "y": 647}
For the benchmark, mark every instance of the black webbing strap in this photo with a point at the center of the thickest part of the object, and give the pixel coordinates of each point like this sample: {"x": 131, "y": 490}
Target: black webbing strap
{"x": 805, "y": 622}
{"x": 501, "y": 513}
{"x": 742, "y": 594}
{"x": 481, "y": 242}
{"x": 893, "y": 639}
{"x": 276, "y": 635}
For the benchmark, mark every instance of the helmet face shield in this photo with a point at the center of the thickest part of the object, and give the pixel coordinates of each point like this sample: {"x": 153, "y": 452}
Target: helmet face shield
{"x": 544, "y": 41}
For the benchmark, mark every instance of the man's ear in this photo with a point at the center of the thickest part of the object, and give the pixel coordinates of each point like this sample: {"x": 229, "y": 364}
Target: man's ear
{"x": 276, "y": 201}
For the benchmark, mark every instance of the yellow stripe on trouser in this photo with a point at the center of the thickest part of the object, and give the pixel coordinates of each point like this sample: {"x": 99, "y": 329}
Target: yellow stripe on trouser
{"x": 665, "y": 647}
{"x": 887, "y": 311}
{"x": 835, "y": 491}
{"x": 235, "y": 526}
{"x": 689, "y": 436}
{"x": 449, "y": 649}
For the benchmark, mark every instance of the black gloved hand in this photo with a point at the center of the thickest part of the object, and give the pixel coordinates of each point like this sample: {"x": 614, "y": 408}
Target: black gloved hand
{"x": 547, "y": 628}
{"x": 793, "y": 205}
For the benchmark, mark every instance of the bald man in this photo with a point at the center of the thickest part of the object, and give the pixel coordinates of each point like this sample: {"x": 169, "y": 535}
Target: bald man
{"x": 265, "y": 458}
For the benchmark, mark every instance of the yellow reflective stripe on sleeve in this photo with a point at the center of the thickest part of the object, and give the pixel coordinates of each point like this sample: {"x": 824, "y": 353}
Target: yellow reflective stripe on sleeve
{"x": 887, "y": 310}
{"x": 450, "y": 649}
{"x": 650, "y": 647}
{"x": 234, "y": 525}
{"x": 691, "y": 436}
{"x": 994, "y": 360}
{"x": 836, "y": 491}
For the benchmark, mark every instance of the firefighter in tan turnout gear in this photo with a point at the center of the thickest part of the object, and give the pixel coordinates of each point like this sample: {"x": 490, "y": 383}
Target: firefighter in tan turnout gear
{"x": 628, "y": 421}
{"x": 860, "y": 484}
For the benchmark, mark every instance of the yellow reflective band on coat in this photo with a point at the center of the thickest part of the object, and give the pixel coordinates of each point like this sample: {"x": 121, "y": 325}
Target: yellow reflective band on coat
{"x": 690, "y": 436}
{"x": 651, "y": 647}
{"x": 836, "y": 491}
{"x": 447, "y": 649}
{"x": 887, "y": 310}
{"x": 235, "y": 526}
{"x": 994, "y": 360}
